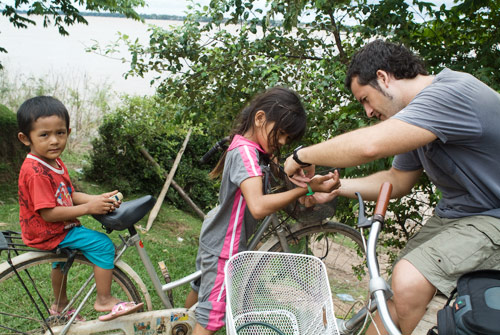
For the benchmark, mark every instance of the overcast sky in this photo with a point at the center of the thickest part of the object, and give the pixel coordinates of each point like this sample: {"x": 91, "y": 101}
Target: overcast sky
{"x": 179, "y": 7}
{"x": 171, "y": 7}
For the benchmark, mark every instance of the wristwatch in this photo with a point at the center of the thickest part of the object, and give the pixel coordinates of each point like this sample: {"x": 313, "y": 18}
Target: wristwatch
{"x": 296, "y": 158}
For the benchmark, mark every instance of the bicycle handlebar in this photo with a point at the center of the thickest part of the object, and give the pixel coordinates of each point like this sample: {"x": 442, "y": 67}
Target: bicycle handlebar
{"x": 378, "y": 286}
{"x": 383, "y": 199}
{"x": 217, "y": 146}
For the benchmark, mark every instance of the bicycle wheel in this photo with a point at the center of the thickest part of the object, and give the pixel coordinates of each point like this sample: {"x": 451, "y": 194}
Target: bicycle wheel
{"x": 340, "y": 247}
{"x": 19, "y": 314}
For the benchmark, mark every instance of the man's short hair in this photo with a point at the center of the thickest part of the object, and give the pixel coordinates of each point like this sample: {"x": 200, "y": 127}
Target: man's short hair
{"x": 392, "y": 58}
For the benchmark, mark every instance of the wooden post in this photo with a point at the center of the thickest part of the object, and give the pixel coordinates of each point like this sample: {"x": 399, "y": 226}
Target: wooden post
{"x": 159, "y": 201}
{"x": 176, "y": 186}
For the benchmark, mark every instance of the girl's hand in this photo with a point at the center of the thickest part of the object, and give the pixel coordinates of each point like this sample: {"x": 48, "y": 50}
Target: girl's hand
{"x": 318, "y": 198}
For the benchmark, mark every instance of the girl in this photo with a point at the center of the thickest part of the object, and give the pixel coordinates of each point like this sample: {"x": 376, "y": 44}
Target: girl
{"x": 271, "y": 120}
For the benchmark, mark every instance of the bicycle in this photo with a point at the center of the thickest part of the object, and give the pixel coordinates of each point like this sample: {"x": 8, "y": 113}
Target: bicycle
{"x": 282, "y": 293}
{"x": 27, "y": 272}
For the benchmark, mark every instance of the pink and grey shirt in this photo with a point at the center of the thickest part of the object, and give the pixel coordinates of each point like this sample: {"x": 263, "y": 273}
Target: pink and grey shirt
{"x": 227, "y": 226}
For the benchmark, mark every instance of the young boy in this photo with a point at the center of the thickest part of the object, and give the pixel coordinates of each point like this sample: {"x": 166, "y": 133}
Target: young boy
{"x": 49, "y": 205}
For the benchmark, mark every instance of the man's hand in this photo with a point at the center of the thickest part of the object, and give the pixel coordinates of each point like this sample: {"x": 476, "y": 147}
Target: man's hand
{"x": 327, "y": 183}
{"x": 321, "y": 197}
{"x": 298, "y": 175}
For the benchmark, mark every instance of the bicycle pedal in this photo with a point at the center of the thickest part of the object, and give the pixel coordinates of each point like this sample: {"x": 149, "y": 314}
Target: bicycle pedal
{"x": 166, "y": 276}
{"x": 55, "y": 320}
{"x": 164, "y": 272}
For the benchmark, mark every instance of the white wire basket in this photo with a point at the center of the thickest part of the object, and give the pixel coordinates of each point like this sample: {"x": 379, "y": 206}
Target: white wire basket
{"x": 278, "y": 293}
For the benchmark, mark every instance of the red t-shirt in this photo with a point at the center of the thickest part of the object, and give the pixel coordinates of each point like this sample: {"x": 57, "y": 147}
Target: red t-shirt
{"x": 43, "y": 186}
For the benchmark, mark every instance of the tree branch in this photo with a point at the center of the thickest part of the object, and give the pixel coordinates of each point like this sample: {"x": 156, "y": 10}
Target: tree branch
{"x": 338, "y": 41}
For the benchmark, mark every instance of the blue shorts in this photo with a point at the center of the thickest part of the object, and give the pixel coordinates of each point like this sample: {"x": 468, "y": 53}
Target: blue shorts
{"x": 96, "y": 246}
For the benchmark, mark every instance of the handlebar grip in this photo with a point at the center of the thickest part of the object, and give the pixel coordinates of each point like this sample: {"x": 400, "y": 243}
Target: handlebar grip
{"x": 383, "y": 199}
{"x": 217, "y": 146}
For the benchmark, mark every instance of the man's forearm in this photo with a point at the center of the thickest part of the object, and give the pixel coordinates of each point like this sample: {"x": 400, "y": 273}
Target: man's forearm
{"x": 364, "y": 145}
{"x": 369, "y": 186}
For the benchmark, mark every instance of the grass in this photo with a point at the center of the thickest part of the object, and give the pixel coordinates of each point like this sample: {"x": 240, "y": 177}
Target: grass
{"x": 173, "y": 237}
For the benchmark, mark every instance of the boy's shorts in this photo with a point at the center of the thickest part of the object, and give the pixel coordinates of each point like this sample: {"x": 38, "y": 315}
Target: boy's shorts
{"x": 96, "y": 246}
{"x": 444, "y": 249}
{"x": 211, "y": 309}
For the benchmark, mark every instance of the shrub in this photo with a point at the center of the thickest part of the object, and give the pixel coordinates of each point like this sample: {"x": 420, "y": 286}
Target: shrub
{"x": 12, "y": 152}
{"x": 117, "y": 161}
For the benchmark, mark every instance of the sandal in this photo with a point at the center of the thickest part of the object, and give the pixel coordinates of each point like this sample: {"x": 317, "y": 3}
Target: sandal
{"x": 68, "y": 314}
{"x": 121, "y": 308}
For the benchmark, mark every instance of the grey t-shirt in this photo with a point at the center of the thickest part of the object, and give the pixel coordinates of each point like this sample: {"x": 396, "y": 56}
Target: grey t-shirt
{"x": 226, "y": 228}
{"x": 463, "y": 162}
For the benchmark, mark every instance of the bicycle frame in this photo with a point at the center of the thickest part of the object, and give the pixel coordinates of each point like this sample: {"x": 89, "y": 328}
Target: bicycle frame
{"x": 135, "y": 240}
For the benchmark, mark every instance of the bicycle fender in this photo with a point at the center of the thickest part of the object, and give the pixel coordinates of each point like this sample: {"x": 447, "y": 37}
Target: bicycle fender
{"x": 127, "y": 269}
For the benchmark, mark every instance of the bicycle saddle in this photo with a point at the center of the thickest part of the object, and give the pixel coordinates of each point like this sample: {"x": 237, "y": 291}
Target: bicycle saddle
{"x": 128, "y": 214}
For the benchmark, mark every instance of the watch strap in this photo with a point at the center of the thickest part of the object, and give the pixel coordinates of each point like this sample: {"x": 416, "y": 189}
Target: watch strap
{"x": 296, "y": 157}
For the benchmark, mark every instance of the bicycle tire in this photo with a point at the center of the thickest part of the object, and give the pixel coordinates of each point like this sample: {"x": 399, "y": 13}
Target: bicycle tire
{"x": 23, "y": 315}
{"x": 340, "y": 247}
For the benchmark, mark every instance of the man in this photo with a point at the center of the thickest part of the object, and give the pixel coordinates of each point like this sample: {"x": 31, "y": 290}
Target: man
{"x": 447, "y": 125}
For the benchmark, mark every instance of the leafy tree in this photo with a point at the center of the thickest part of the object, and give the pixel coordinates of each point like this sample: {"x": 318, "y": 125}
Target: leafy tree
{"x": 210, "y": 69}
{"x": 63, "y": 13}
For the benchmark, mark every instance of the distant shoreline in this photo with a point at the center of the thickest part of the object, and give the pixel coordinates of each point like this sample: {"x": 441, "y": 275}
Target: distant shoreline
{"x": 166, "y": 17}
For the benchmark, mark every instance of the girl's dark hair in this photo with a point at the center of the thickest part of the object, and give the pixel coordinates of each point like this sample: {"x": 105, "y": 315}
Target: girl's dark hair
{"x": 37, "y": 107}
{"x": 392, "y": 58}
{"x": 283, "y": 107}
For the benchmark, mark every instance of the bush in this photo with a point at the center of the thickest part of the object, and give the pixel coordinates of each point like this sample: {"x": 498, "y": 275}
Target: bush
{"x": 12, "y": 152}
{"x": 146, "y": 122}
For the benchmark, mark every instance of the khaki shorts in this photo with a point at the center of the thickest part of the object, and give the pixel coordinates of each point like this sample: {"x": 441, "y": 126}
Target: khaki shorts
{"x": 444, "y": 249}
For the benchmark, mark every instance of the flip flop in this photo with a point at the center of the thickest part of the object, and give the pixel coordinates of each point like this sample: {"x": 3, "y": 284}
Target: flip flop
{"x": 121, "y": 308}
{"x": 68, "y": 314}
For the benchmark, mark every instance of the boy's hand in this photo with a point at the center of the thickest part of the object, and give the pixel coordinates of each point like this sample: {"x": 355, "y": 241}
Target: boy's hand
{"x": 102, "y": 204}
{"x": 115, "y": 196}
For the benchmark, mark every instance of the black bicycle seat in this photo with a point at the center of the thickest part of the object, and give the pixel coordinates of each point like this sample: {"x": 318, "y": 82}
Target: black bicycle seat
{"x": 128, "y": 214}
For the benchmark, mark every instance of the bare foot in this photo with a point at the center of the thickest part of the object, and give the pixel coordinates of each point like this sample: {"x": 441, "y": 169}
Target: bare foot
{"x": 107, "y": 305}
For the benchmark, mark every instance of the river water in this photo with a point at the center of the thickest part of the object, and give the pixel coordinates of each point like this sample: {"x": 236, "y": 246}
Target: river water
{"x": 43, "y": 52}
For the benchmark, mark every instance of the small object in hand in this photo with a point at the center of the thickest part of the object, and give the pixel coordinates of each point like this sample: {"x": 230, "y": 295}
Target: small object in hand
{"x": 311, "y": 192}
{"x": 117, "y": 197}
